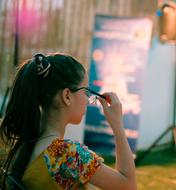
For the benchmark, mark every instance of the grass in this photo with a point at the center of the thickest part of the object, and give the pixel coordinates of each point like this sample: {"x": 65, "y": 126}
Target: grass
{"x": 156, "y": 177}
{"x": 156, "y": 171}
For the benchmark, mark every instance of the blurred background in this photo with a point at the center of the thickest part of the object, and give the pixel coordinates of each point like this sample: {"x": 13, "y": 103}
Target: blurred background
{"x": 31, "y": 26}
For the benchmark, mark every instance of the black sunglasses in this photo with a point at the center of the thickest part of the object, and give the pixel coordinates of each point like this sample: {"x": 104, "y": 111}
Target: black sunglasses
{"x": 90, "y": 91}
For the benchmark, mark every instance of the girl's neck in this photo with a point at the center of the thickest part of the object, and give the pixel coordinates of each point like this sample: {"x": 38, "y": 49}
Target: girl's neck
{"x": 54, "y": 124}
{"x": 52, "y": 133}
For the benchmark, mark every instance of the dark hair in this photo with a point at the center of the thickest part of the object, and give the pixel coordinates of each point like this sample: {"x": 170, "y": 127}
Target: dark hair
{"x": 33, "y": 89}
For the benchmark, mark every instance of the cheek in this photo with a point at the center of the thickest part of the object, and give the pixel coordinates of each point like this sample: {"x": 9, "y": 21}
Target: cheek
{"x": 85, "y": 101}
{"x": 81, "y": 106}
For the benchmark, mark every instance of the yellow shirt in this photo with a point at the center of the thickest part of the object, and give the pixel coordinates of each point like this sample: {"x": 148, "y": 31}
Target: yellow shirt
{"x": 64, "y": 165}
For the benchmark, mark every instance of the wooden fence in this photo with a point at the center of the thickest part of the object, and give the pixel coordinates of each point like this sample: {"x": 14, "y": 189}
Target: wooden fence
{"x": 57, "y": 25}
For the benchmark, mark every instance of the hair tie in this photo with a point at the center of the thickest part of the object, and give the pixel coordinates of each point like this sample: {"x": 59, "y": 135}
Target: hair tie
{"x": 43, "y": 65}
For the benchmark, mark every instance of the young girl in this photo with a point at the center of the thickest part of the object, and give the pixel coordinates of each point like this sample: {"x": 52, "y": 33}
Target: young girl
{"x": 50, "y": 92}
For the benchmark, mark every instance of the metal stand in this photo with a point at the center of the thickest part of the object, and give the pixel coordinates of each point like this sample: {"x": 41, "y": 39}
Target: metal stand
{"x": 142, "y": 156}
{"x": 171, "y": 128}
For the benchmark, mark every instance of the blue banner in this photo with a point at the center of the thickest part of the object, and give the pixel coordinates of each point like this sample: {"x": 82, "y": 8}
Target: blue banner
{"x": 118, "y": 59}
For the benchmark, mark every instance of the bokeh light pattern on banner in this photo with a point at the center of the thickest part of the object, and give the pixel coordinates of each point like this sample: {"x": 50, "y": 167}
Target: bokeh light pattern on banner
{"x": 118, "y": 62}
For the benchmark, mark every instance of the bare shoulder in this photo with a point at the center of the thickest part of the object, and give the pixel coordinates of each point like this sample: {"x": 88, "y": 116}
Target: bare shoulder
{"x": 40, "y": 146}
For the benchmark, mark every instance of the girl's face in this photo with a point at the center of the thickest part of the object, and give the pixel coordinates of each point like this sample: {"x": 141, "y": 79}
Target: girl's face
{"x": 80, "y": 103}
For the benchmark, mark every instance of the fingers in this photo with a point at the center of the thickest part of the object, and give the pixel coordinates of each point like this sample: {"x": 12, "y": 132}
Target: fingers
{"x": 112, "y": 108}
{"x": 111, "y": 98}
{"x": 103, "y": 102}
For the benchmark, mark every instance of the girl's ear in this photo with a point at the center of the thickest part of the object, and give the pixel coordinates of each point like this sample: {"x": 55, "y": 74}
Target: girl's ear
{"x": 66, "y": 96}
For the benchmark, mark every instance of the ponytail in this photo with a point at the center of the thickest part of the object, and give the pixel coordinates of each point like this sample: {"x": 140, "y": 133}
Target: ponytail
{"x": 22, "y": 120}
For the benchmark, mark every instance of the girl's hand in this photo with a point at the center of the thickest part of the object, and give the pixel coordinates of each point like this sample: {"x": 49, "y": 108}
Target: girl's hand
{"x": 112, "y": 108}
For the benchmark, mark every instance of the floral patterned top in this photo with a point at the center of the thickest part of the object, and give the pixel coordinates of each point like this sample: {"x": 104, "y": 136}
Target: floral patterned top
{"x": 69, "y": 163}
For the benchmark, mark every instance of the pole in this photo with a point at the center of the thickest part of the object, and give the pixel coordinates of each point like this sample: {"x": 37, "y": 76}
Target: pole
{"x": 16, "y": 45}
